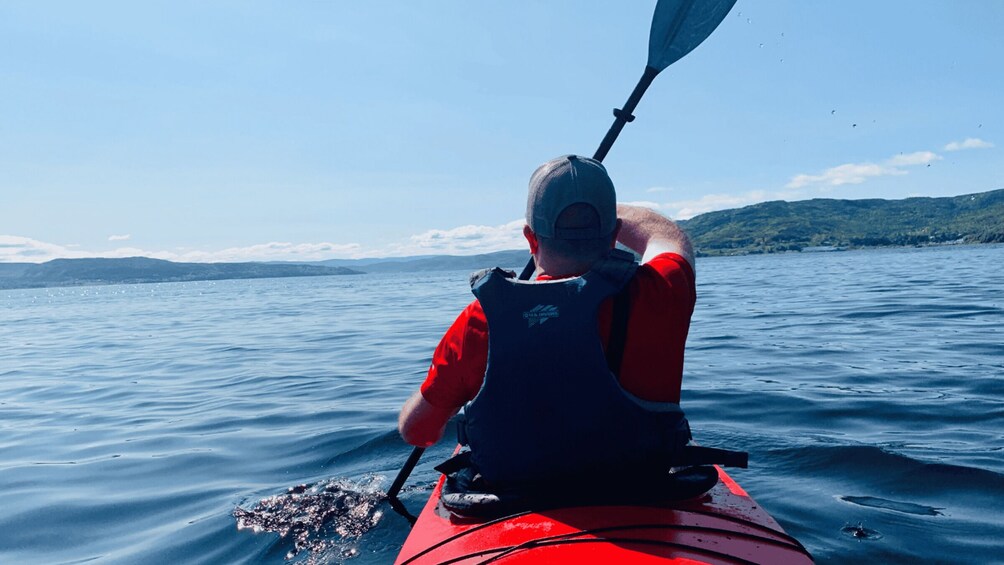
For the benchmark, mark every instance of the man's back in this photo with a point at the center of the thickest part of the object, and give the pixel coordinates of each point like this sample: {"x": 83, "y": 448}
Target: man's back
{"x": 550, "y": 406}
{"x": 573, "y": 223}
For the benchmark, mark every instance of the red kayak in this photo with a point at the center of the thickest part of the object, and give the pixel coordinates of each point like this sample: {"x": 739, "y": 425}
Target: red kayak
{"x": 723, "y": 526}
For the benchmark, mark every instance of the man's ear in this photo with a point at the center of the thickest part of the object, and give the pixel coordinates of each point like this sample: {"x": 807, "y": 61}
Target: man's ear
{"x": 531, "y": 238}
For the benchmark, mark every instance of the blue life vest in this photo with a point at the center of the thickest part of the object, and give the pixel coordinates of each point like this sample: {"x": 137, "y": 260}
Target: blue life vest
{"x": 550, "y": 408}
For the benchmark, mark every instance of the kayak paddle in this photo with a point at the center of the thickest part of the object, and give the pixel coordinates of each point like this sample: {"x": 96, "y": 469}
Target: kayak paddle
{"x": 678, "y": 26}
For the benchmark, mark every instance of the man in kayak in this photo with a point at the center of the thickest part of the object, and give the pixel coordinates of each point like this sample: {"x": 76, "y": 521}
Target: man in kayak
{"x": 550, "y": 390}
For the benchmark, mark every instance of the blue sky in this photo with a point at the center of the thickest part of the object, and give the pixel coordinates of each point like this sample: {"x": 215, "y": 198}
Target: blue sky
{"x": 233, "y": 131}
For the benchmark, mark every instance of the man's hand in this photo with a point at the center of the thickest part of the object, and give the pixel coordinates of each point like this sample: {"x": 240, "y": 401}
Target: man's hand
{"x": 649, "y": 233}
{"x": 421, "y": 424}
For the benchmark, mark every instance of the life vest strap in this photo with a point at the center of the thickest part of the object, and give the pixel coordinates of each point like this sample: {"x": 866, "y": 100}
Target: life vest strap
{"x": 618, "y": 331}
{"x": 465, "y": 493}
{"x": 700, "y": 455}
{"x": 691, "y": 456}
{"x": 459, "y": 461}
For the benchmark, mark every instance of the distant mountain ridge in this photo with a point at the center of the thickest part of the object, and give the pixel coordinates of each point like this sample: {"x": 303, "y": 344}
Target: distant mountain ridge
{"x": 768, "y": 227}
{"x": 73, "y": 272}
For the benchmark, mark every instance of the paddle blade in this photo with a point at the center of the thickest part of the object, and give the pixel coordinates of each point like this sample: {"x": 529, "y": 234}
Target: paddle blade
{"x": 679, "y": 26}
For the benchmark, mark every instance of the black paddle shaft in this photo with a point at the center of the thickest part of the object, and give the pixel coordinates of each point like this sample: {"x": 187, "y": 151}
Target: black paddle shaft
{"x": 624, "y": 115}
{"x": 409, "y": 465}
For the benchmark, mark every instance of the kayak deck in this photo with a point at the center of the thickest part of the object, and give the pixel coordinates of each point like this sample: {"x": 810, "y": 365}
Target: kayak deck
{"x": 723, "y": 526}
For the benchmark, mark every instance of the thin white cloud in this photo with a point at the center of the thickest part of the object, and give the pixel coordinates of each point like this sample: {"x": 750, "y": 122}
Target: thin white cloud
{"x": 686, "y": 209}
{"x": 911, "y": 159}
{"x": 463, "y": 240}
{"x": 968, "y": 143}
{"x": 16, "y": 249}
{"x": 857, "y": 173}
{"x": 644, "y": 204}
{"x": 124, "y": 237}
{"x": 658, "y": 189}
{"x": 850, "y": 173}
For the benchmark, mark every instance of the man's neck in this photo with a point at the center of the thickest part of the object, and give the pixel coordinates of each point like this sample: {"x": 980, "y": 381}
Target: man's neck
{"x": 558, "y": 267}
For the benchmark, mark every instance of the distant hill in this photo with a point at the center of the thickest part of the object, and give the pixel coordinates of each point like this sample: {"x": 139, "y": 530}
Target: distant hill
{"x": 72, "y": 272}
{"x": 506, "y": 259}
{"x": 777, "y": 226}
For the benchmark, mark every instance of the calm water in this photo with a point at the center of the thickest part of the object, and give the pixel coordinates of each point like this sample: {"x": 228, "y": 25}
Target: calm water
{"x": 867, "y": 386}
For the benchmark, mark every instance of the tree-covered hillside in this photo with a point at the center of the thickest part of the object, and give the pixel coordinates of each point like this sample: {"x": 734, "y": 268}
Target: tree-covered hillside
{"x": 792, "y": 226}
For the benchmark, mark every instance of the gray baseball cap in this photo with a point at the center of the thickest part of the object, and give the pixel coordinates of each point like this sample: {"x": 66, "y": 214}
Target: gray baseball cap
{"x": 567, "y": 180}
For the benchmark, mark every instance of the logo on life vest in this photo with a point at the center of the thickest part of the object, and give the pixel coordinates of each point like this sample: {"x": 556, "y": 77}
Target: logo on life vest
{"x": 539, "y": 314}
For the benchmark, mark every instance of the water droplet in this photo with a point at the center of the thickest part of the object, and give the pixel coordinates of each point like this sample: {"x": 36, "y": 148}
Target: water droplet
{"x": 761, "y": 46}
{"x": 854, "y": 125}
{"x": 833, "y": 112}
{"x": 860, "y": 532}
{"x": 749, "y": 21}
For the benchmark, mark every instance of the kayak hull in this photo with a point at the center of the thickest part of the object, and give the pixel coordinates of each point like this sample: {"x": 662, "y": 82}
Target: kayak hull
{"x": 723, "y": 526}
